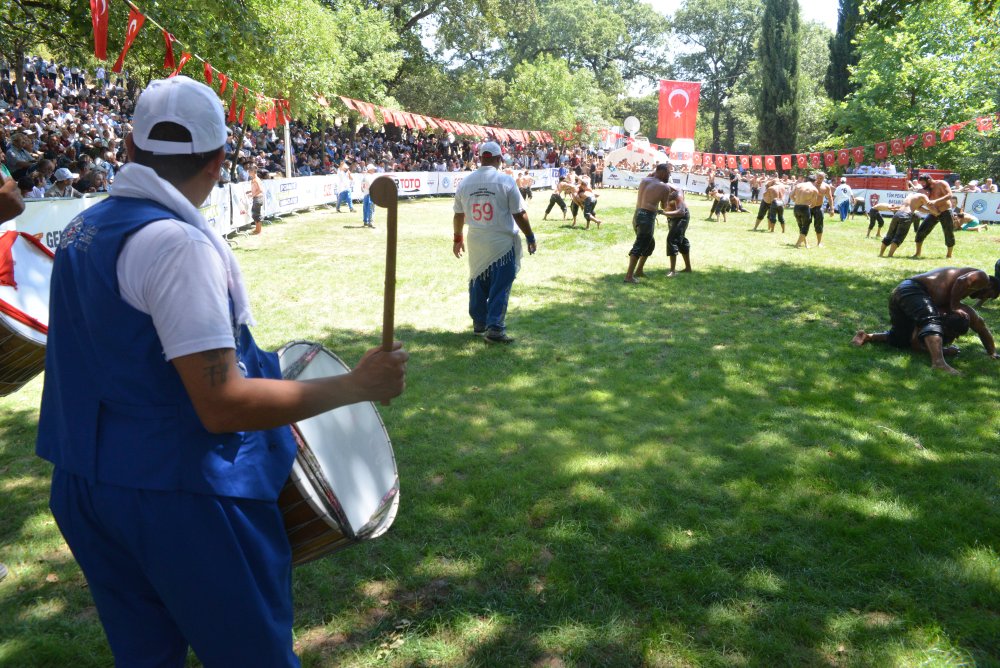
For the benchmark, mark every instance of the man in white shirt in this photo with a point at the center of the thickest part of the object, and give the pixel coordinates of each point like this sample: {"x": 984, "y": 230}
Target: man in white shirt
{"x": 489, "y": 202}
{"x": 344, "y": 181}
{"x": 842, "y": 198}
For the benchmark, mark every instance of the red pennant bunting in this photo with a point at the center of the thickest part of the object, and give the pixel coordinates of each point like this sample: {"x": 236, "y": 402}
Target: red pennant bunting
{"x": 898, "y": 148}
{"x": 815, "y": 160}
{"x": 948, "y": 133}
{"x": 223, "y": 80}
{"x": 930, "y": 138}
{"x": 231, "y": 118}
{"x": 984, "y": 123}
{"x": 135, "y": 21}
{"x": 168, "y": 57}
{"x": 802, "y": 161}
{"x": 696, "y": 158}
{"x": 881, "y": 150}
{"x": 185, "y": 57}
{"x": 786, "y": 162}
{"x": 99, "y": 19}
{"x": 280, "y": 112}
{"x": 829, "y": 158}
{"x": 758, "y": 162}
{"x": 720, "y": 161}
{"x": 858, "y": 153}
{"x": 270, "y": 122}
{"x": 769, "y": 163}
{"x": 243, "y": 110}
{"x": 288, "y": 110}
{"x": 910, "y": 140}
{"x": 731, "y": 161}
{"x": 745, "y": 161}
{"x": 843, "y": 156}
{"x": 707, "y": 160}
{"x": 208, "y": 73}
{"x": 348, "y": 102}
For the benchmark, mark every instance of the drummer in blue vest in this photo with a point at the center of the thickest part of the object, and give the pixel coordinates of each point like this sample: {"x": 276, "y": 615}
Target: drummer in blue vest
{"x": 165, "y": 422}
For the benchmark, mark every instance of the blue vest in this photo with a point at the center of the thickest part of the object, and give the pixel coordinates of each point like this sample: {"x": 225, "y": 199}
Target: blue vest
{"x": 114, "y": 411}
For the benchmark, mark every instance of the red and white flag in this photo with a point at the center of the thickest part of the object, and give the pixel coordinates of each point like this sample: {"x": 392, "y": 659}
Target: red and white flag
{"x": 984, "y": 123}
{"x": 185, "y": 57}
{"x": 678, "y": 109}
{"x": 930, "y": 138}
{"x": 99, "y": 18}
{"x": 348, "y": 102}
{"x": 816, "y": 160}
{"x": 720, "y": 161}
{"x": 707, "y": 160}
{"x": 769, "y": 163}
{"x": 948, "y": 133}
{"x": 231, "y": 118}
{"x": 881, "y": 150}
{"x": 843, "y": 156}
{"x": 208, "y": 73}
{"x": 758, "y": 162}
{"x": 858, "y": 153}
{"x": 786, "y": 162}
{"x": 829, "y": 158}
{"x": 898, "y": 147}
{"x": 910, "y": 140}
{"x": 745, "y": 161}
{"x": 731, "y": 161}
{"x": 223, "y": 80}
{"x": 135, "y": 21}
{"x": 168, "y": 57}
{"x": 802, "y": 160}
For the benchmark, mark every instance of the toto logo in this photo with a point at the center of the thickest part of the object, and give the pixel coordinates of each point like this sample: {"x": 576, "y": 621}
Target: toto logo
{"x": 873, "y": 199}
{"x": 979, "y": 206}
{"x": 409, "y": 185}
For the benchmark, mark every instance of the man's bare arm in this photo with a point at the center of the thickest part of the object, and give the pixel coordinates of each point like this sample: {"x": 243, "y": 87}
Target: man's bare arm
{"x": 978, "y": 325}
{"x": 965, "y": 285}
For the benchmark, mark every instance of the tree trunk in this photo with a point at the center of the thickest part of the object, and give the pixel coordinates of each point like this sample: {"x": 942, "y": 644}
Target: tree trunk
{"x": 18, "y": 66}
{"x": 716, "y": 144}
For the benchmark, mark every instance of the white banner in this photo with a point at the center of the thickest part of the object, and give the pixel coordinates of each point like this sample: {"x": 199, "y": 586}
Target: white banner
{"x": 46, "y": 218}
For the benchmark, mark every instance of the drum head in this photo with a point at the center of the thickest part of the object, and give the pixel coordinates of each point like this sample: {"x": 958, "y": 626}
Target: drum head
{"x": 24, "y": 309}
{"x": 351, "y": 446}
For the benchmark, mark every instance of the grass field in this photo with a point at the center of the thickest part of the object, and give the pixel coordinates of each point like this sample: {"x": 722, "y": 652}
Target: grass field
{"x": 693, "y": 471}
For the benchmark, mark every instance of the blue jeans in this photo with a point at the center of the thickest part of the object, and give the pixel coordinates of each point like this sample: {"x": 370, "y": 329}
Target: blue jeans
{"x": 843, "y": 209}
{"x": 490, "y": 292}
{"x": 367, "y": 210}
{"x": 345, "y": 198}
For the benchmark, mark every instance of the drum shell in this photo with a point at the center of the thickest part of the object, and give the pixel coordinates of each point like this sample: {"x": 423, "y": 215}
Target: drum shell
{"x": 21, "y": 360}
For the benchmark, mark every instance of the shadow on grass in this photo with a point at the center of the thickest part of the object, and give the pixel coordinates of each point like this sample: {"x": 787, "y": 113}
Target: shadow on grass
{"x": 703, "y": 471}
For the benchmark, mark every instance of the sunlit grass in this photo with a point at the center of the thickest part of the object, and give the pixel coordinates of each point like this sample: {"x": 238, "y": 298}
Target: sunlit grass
{"x": 692, "y": 471}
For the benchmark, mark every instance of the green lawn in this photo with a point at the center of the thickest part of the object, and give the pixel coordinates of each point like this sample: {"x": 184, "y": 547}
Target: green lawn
{"x": 693, "y": 471}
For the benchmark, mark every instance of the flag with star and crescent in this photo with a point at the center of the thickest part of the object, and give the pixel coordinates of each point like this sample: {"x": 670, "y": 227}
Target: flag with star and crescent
{"x": 678, "y": 109}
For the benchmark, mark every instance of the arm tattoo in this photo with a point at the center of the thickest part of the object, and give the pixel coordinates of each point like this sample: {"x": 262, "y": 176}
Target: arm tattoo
{"x": 216, "y": 368}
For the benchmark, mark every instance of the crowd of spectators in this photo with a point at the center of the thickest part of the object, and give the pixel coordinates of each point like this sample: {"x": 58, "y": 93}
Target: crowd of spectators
{"x": 64, "y": 136}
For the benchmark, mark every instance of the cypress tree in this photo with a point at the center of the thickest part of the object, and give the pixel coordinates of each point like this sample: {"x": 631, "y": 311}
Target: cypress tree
{"x": 778, "y": 111}
{"x": 843, "y": 53}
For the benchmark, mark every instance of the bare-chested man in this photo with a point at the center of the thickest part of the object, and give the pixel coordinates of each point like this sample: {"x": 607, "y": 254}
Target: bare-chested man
{"x": 773, "y": 203}
{"x": 917, "y": 304}
{"x": 825, "y": 189}
{"x": 875, "y": 218}
{"x": 678, "y": 218}
{"x": 564, "y": 187}
{"x": 902, "y": 219}
{"x": 524, "y": 183}
{"x": 806, "y": 195}
{"x": 653, "y": 192}
{"x": 939, "y": 194}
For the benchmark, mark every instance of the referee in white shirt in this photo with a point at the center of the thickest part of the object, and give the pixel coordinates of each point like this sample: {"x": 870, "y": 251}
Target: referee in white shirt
{"x": 489, "y": 202}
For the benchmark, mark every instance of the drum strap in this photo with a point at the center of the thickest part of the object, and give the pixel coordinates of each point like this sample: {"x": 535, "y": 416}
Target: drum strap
{"x": 295, "y": 370}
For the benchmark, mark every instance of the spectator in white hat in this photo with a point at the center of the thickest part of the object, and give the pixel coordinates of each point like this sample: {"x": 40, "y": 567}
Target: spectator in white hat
{"x": 842, "y": 198}
{"x": 63, "y": 186}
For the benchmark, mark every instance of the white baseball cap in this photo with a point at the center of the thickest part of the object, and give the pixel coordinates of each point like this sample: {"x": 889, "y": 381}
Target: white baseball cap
{"x": 491, "y": 149}
{"x": 63, "y": 174}
{"x": 843, "y": 179}
{"x": 188, "y": 103}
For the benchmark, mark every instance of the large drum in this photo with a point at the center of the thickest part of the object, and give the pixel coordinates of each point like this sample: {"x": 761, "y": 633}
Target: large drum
{"x": 25, "y": 274}
{"x": 344, "y": 487}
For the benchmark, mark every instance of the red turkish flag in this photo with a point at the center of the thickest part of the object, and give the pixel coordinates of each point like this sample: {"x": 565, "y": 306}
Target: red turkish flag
{"x": 223, "y": 80}
{"x": 930, "y": 138}
{"x": 984, "y": 123}
{"x": 99, "y": 18}
{"x": 858, "y": 153}
{"x": 815, "y": 159}
{"x": 208, "y": 73}
{"x": 348, "y": 102}
{"x": 829, "y": 158}
{"x": 696, "y": 158}
{"x": 231, "y": 118}
{"x": 707, "y": 159}
{"x": 898, "y": 148}
{"x": 243, "y": 111}
{"x": 745, "y": 161}
{"x": 802, "y": 161}
{"x": 769, "y": 163}
{"x": 135, "y": 21}
{"x": 720, "y": 161}
{"x": 910, "y": 140}
{"x": 758, "y": 162}
{"x": 185, "y": 57}
{"x": 168, "y": 57}
{"x": 731, "y": 161}
{"x": 288, "y": 108}
{"x": 786, "y": 162}
{"x": 678, "y": 109}
{"x": 430, "y": 123}
{"x": 948, "y": 133}
{"x": 843, "y": 156}
{"x": 881, "y": 150}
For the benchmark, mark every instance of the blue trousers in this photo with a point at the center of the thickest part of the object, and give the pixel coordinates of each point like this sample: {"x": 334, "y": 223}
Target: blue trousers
{"x": 345, "y": 198}
{"x": 843, "y": 209}
{"x": 368, "y": 209}
{"x": 489, "y": 293}
{"x": 171, "y": 569}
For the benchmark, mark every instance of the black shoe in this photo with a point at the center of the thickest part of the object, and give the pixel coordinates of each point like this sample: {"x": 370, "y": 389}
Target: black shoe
{"x": 498, "y": 337}
{"x": 479, "y": 331}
